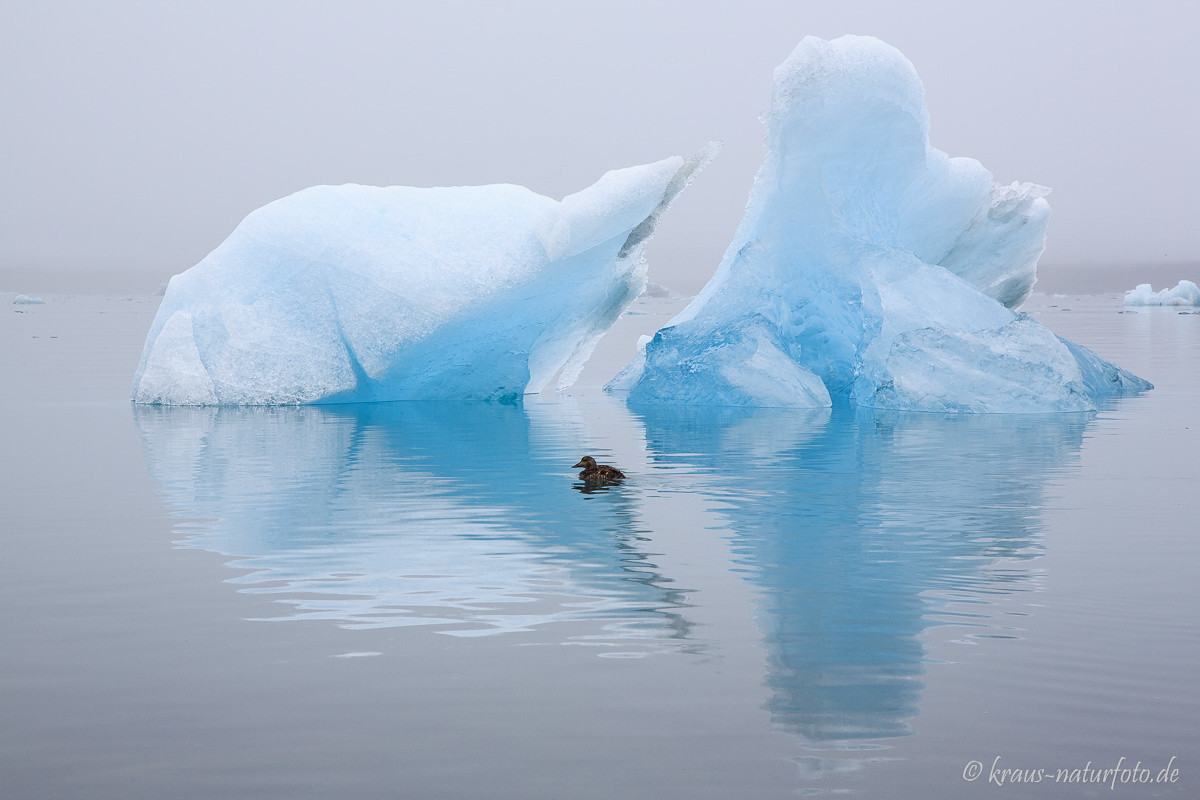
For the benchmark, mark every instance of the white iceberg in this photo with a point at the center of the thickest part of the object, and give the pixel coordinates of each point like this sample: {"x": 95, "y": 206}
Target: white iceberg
{"x": 27, "y": 300}
{"x": 1185, "y": 293}
{"x": 361, "y": 293}
{"x": 870, "y": 266}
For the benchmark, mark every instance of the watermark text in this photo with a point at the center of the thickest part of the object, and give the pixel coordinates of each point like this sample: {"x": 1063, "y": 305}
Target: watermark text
{"x": 1124, "y": 772}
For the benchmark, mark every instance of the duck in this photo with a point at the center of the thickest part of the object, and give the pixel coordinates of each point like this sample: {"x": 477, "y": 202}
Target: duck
{"x": 598, "y": 473}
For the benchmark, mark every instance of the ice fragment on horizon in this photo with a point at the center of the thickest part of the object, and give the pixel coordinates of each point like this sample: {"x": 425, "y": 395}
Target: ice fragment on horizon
{"x": 870, "y": 266}
{"x": 361, "y": 293}
{"x": 1185, "y": 293}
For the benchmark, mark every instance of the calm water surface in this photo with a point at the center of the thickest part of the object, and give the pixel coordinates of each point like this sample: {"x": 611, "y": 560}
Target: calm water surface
{"x": 420, "y": 600}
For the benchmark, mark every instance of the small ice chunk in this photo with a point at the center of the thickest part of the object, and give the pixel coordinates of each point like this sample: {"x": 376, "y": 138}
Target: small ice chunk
{"x": 1185, "y": 293}
{"x": 358, "y": 654}
{"x": 26, "y": 300}
{"x": 660, "y": 291}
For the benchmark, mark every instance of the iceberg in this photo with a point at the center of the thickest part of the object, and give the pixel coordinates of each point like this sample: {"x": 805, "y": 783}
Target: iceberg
{"x": 1185, "y": 293}
{"x": 363, "y": 293}
{"x": 870, "y": 267}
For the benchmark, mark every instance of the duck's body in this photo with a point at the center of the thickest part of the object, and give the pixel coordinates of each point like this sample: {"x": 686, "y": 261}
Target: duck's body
{"x": 598, "y": 473}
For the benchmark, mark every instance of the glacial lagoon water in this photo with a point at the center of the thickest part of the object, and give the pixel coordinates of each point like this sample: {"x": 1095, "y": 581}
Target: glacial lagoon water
{"x": 418, "y": 600}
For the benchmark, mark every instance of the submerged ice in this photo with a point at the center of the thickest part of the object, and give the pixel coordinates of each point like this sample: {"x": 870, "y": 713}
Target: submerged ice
{"x": 359, "y": 293}
{"x": 871, "y": 267}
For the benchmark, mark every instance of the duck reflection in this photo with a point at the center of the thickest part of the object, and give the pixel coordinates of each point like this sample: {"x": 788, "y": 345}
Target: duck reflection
{"x": 409, "y": 513}
{"x": 859, "y": 532}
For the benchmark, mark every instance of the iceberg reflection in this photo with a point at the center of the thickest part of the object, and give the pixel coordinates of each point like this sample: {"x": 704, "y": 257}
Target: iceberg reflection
{"x": 859, "y": 531}
{"x": 861, "y": 534}
{"x": 395, "y": 514}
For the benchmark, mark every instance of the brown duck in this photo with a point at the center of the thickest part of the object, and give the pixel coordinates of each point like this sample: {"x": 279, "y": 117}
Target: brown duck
{"x": 598, "y": 473}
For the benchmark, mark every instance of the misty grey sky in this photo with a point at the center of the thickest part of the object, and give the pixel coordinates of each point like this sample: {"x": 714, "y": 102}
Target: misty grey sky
{"x": 136, "y": 135}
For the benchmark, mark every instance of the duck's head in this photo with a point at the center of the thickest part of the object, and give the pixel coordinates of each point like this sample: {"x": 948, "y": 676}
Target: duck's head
{"x": 587, "y": 462}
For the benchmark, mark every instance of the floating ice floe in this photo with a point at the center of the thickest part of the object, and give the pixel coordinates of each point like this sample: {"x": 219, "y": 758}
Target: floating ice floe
{"x": 1185, "y": 293}
{"x": 360, "y": 293}
{"x": 871, "y": 267}
{"x": 26, "y": 300}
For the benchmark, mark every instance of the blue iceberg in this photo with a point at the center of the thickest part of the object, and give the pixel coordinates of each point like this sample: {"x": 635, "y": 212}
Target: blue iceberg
{"x": 1185, "y": 293}
{"x": 870, "y": 267}
{"x": 362, "y": 293}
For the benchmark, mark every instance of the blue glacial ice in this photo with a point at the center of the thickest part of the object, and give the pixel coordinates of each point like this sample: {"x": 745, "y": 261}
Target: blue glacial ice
{"x": 870, "y": 267}
{"x": 360, "y": 293}
{"x": 1185, "y": 293}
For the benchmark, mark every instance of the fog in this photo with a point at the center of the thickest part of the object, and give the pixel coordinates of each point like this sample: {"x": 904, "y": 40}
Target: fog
{"x": 135, "y": 136}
